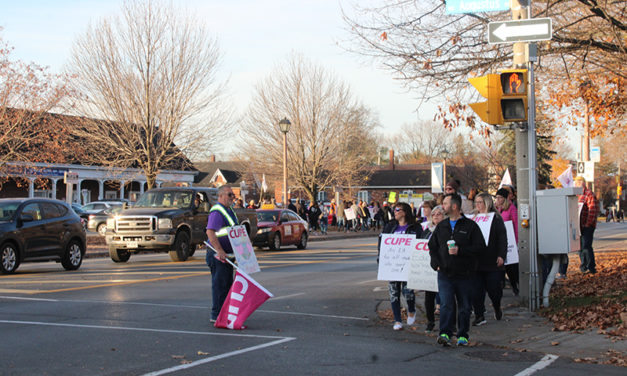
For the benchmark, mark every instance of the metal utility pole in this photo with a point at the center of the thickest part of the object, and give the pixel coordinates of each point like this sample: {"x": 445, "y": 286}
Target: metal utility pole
{"x": 526, "y": 176}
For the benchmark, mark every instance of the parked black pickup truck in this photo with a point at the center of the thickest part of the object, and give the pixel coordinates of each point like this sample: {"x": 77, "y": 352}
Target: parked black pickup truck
{"x": 167, "y": 220}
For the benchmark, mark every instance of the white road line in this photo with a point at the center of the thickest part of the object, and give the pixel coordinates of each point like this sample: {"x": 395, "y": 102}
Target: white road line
{"x": 217, "y": 357}
{"x": 288, "y": 296}
{"x": 543, "y": 363}
{"x": 313, "y": 315}
{"x": 368, "y": 281}
{"x": 169, "y": 331}
{"x": 34, "y": 299}
{"x": 189, "y": 306}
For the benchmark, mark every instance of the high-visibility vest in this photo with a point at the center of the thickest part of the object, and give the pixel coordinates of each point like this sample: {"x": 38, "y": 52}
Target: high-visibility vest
{"x": 224, "y": 231}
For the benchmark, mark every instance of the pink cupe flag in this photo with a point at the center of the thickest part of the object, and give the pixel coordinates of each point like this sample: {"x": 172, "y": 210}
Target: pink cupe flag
{"x": 566, "y": 178}
{"x": 245, "y": 296}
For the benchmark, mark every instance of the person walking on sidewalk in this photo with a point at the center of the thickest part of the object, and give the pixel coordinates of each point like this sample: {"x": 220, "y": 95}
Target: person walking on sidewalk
{"x": 403, "y": 223}
{"x": 508, "y": 211}
{"x": 221, "y": 217}
{"x": 587, "y": 224}
{"x": 454, "y": 248}
{"x": 490, "y": 269}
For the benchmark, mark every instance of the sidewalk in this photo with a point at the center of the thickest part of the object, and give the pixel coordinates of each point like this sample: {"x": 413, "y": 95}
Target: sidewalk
{"x": 521, "y": 331}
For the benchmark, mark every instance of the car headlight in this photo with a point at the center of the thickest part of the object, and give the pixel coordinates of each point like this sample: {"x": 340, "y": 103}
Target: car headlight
{"x": 164, "y": 223}
{"x": 264, "y": 230}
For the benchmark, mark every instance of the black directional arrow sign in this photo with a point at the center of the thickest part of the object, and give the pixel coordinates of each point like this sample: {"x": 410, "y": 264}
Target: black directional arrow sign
{"x": 520, "y": 31}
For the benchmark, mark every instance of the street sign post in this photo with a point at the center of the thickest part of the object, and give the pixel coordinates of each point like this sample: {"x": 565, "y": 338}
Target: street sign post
{"x": 528, "y": 30}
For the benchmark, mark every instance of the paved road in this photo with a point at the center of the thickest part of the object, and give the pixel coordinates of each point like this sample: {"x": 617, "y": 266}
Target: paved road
{"x": 150, "y": 316}
{"x": 610, "y": 236}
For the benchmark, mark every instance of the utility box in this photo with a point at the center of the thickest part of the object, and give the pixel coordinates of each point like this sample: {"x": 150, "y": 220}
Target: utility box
{"x": 558, "y": 220}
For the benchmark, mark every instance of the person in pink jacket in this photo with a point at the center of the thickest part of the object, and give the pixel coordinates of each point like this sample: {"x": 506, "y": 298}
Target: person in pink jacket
{"x": 509, "y": 213}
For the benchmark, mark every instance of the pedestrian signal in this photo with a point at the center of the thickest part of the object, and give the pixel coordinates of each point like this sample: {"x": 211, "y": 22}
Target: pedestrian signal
{"x": 514, "y": 95}
{"x": 489, "y": 87}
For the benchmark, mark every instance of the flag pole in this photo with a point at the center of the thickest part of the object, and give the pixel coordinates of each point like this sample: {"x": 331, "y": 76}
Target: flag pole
{"x": 209, "y": 247}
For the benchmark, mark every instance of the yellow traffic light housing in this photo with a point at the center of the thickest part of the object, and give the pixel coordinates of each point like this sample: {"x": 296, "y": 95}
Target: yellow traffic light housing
{"x": 489, "y": 87}
{"x": 513, "y": 85}
{"x": 619, "y": 191}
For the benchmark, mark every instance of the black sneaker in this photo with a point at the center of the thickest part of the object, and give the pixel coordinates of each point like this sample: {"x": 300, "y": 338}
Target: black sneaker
{"x": 430, "y": 326}
{"x": 479, "y": 320}
{"x": 498, "y": 313}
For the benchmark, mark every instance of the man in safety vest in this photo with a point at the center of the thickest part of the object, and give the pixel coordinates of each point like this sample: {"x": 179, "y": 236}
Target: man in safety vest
{"x": 221, "y": 217}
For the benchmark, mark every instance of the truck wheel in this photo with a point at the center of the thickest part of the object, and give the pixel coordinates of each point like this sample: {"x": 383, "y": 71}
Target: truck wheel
{"x": 180, "y": 250}
{"x": 302, "y": 244}
{"x": 9, "y": 260}
{"x": 102, "y": 229}
{"x": 73, "y": 256}
{"x": 275, "y": 241}
{"x": 119, "y": 255}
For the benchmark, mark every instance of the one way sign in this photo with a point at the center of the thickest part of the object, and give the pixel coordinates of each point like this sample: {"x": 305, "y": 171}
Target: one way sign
{"x": 520, "y": 31}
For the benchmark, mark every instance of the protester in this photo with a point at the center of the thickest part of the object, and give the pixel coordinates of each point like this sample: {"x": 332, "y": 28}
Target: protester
{"x": 221, "y": 217}
{"x": 324, "y": 220}
{"x": 251, "y": 205}
{"x": 403, "y": 223}
{"x": 454, "y": 248}
{"x": 332, "y": 220}
{"x": 387, "y": 214}
{"x": 340, "y": 216}
{"x": 490, "y": 268}
{"x": 314, "y": 216}
{"x": 452, "y": 186}
{"x": 301, "y": 210}
{"x": 364, "y": 214}
{"x": 509, "y": 213}
{"x": 587, "y": 225}
{"x": 436, "y": 215}
{"x": 291, "y": 206}
{"x": 424, "y": 212}
{"x": 378, "y": 216}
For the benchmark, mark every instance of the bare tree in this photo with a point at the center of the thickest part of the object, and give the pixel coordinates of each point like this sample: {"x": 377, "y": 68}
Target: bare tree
{"x": 423, "y": 141}
{"x": 435, "y": 53}
{"x": 151, "y": 76}
{"x": 330, "y": 139}
{"x": 27, "y": 93}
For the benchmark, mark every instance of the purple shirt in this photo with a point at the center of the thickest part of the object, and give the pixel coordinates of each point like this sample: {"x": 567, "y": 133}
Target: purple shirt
{"x": 216, "y": 221}
{"x": 401, "y": 229}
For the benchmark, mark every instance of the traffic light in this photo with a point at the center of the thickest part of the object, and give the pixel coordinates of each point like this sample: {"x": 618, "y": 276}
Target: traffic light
{"x": 489, "y": 87}
{"x": 619, "y": 191}
{"x": 514, "y": 95}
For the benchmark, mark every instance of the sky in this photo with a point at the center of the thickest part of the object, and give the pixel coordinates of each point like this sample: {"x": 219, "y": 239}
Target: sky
{"x": 254, "y": 35}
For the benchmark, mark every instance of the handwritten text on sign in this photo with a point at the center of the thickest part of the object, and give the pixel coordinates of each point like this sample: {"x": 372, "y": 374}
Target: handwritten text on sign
{"x": 512, "y": 247}
{"x": 484, "y": 220}
{"x": 421, "y": 275}
{"x": 243, "y": 249}
{"x": 394, "y": 257}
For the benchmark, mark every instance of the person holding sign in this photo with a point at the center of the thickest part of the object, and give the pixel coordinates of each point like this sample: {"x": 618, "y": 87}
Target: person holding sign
{"x": 454, "y": 248}
{"x": 508, "y": 211}
{"x": 491, "y": 260}
{"x": 404, "y": 222}
{"x": 221, "y": 217}
{"x": 436, "y": 215}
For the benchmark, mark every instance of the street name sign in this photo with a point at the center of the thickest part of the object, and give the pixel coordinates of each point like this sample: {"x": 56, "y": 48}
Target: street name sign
{"x": 475, "y": 6}
{"x": 520, "y": 31}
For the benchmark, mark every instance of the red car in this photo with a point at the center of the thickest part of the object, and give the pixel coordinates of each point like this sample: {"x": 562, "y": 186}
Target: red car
{"x": 278, "y": 227}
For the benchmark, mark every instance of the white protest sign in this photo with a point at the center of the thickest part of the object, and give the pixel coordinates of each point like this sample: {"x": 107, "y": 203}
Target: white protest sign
{"x": 243, "y": 249}
{"x": 350, "y": 214}
{"x": 394, "y": 257}
{"x": 421, "y": 275}
{"x": 512, "y": 247}
{"x": 484, "y": 220}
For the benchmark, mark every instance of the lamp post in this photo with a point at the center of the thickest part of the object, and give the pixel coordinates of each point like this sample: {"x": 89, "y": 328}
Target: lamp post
{"x": 284, "y": 125}
{"x": 444, "y": 155}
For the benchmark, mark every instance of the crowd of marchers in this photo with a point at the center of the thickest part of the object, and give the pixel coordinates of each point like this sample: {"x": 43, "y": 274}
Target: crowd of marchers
{"x": 469, "y": 267}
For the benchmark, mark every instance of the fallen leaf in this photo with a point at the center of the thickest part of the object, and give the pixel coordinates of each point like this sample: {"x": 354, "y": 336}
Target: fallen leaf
{"x": 554, "y": 343}
{"x": 202, "y": 353}
{"x": 178, "y": 356}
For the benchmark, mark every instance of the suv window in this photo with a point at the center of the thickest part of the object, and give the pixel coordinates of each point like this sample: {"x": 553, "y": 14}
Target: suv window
{"x": 51, "y": 210}
{"x": 34, "y": 210}
{"x": 285, "y": 217}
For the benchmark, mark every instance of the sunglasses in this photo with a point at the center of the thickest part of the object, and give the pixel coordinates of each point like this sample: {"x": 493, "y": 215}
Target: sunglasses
{"x": 398, "y": 209}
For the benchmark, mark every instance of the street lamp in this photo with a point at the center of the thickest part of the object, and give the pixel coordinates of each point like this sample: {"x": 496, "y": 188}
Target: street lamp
{"x": 284, "y": 125}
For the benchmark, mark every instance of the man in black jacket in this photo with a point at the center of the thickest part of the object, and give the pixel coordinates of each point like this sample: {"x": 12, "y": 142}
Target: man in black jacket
{"x": 454, "y": 248}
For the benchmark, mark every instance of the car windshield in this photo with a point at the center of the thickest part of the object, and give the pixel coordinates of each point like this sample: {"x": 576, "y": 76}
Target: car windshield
{"x": 268, "y": 216}
{"x": 164, "y": 199}
{"x": 7, "y": 210}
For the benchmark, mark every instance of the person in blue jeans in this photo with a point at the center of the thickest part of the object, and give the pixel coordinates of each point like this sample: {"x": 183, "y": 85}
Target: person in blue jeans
{"x": 454, "y": 248}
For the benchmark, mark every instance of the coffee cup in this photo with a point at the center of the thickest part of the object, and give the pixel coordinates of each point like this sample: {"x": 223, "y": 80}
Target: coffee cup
{"x": 451, "y": 244}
